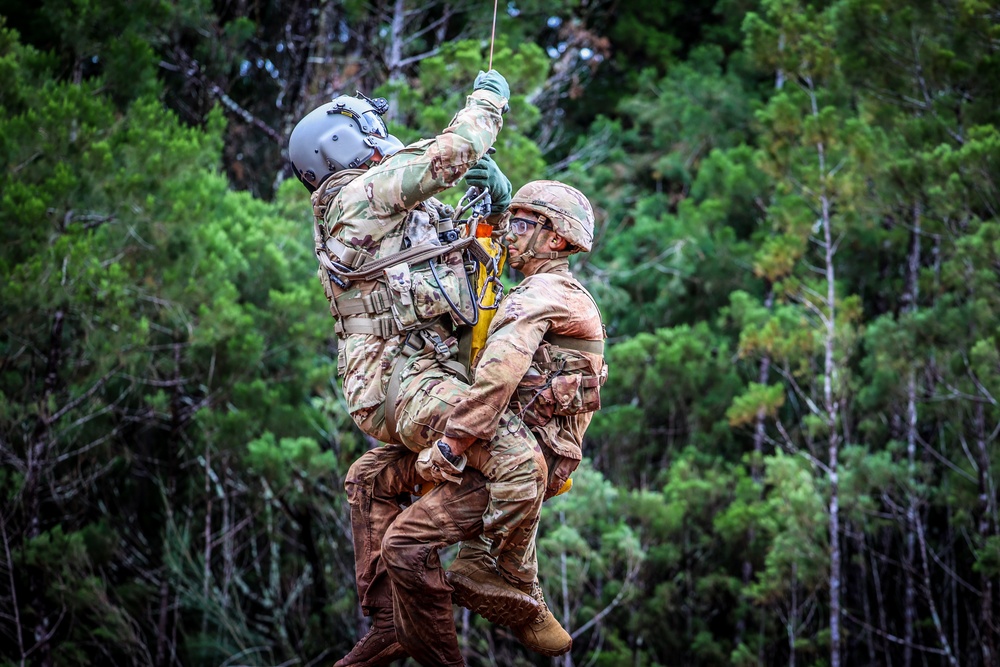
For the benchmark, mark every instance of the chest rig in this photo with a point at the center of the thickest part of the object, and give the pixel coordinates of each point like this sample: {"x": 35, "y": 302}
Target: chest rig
{"x": 561, "y": 381}
{"x": 565, "y": 377}
{"x": 428, "y": 277}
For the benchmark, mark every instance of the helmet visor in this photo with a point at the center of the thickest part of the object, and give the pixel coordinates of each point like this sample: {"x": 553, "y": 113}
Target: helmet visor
{"x": 374, "y": 124}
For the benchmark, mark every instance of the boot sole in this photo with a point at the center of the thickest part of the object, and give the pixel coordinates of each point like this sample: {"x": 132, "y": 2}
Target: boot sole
{"x": 497, "y": 605}
{"x": 551, "y": 653}
{"x": 386, "y": 656}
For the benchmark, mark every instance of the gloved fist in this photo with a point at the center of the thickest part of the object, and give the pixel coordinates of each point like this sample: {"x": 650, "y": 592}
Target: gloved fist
{"x": 494, "y": 82}
{"x": 486, "y": 174}
{"x": 559, "y": 481}
{"x": 433, "y": 466}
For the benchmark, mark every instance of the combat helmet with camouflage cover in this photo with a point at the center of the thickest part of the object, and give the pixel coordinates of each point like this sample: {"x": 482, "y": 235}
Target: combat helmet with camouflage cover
{"x": 565, "y": 207}
{"x": 342, "y": 134}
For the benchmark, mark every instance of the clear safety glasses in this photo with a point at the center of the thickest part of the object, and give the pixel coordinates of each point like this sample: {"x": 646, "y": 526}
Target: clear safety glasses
{"x": 520, "y": 225}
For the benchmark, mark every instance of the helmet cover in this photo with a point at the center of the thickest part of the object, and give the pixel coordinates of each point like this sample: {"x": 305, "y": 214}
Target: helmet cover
{"x": 568, "y": 210}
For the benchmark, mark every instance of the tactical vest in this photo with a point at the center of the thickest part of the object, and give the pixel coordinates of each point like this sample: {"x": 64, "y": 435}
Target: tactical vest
{"x": 411, "y": 289}
{"x": 560, "y": 380}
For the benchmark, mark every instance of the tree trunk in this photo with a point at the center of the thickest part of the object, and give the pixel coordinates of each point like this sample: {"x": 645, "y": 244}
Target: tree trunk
{"x": 986, "y": 509}
{"x": 756, "y": 474}
{"x": 38, "y": 454}
{"x": 910, "y": 297}
{"x": 859, "y": 537}
{"x": 793, "y": 616}
{"x": 567, "y": 659}
{"x": 910, "y": 558}
{"x": 929, "y": 592}
{"x": 832, "y": 408}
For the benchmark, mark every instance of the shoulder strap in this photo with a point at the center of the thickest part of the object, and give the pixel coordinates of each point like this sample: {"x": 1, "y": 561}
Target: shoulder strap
{"x": 577, "y": 344}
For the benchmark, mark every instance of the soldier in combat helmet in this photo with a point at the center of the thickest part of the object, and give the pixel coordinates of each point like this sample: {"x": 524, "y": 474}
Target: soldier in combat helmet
{"x": 543, "y": 362}
{"x": 369, "y": 193}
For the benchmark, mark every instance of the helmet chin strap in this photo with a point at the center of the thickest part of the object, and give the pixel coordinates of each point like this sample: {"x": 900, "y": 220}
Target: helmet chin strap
{"x": 533, "y": 252}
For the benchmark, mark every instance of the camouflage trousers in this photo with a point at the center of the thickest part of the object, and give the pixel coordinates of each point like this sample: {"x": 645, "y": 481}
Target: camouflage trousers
{"x": 408, "y": 540}
{"x": 512, "y": 462}
{"x": 500, "y": 497}
{"x": 396, "y": 547}
{"x": 378, "y": 486}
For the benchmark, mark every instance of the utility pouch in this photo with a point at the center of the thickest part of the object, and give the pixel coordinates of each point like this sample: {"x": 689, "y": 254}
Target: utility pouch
{"x": 565, "y": 387}
{"x": 399, "y": 280}
{"x": 422, "y": 293}
{"x": 341, "y": 358}
{"x": 577, "y": 393}
{"x": 534, "y": 399}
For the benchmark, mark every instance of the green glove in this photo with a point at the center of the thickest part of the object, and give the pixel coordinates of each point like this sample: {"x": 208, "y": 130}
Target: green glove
{"x": 487, "y": 175}
{"x": 494, "y": 82}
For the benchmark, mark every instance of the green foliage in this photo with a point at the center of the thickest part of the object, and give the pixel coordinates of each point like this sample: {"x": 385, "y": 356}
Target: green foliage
{"x": 759, "y": 399}
{"x": 446, "y": 79}
{"x": 155, "y": 320}
{"x": 173, "y": 438}
{"x": 587, "y": 550}
{"x": 796, "y": 516}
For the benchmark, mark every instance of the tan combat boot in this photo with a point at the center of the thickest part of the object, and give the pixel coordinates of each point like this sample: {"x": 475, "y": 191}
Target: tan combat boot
{"x": 379, "y": 647}
{"x": 480, "y": 588}
{"x": 543, "y": 634}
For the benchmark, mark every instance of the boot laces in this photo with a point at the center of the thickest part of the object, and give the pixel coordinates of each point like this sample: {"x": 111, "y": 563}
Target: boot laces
{"x": 536, "y": 592}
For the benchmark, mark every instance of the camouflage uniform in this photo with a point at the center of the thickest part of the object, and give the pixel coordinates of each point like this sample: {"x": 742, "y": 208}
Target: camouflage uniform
{"x": 433, "y": 402}
{"x": 366, "y": 211}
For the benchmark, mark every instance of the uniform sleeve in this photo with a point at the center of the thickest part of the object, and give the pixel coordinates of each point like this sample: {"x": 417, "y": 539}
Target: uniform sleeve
{"x": 424, "y": 169}
{"x": 516, "y": 332}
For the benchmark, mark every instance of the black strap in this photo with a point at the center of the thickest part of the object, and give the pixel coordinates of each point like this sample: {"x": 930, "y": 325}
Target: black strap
{"x": 577, "y": 344}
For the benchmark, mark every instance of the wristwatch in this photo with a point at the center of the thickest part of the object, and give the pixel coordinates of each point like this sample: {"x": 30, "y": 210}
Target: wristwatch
{"x": 447, "y": 453}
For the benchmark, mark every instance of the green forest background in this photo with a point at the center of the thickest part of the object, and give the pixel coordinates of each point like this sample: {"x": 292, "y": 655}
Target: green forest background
{"x": 797, "y": 257}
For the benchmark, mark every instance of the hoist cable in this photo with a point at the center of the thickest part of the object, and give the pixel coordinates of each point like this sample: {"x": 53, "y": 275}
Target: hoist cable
{"x": 493, "y": 33}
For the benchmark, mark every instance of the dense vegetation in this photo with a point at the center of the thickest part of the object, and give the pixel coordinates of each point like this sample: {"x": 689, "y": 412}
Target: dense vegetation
{"x": 798, "y": 261}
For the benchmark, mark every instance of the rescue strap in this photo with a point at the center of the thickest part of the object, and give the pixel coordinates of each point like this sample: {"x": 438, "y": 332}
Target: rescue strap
{"x": 374, "y": 303}
{"x": 383, "y": 327}
{"x": 350, "y": 257}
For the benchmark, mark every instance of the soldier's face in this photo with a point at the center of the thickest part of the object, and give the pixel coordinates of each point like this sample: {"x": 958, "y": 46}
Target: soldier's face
{"x": 524, "y": 225}
{"x": 517, "y": 241}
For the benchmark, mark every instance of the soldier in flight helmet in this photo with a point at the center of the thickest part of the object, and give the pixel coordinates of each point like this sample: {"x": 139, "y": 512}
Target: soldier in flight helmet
{"x": 346, "y": 133}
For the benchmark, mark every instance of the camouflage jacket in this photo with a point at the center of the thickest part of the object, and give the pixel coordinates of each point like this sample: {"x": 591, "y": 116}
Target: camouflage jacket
{"x": 369, "y": 213}
{"x": 550, "y": 301}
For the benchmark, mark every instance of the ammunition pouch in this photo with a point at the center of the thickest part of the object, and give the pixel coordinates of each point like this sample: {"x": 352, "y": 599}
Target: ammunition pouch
{"x": 560, "y": 382}
{"x": 403, "y": 291}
